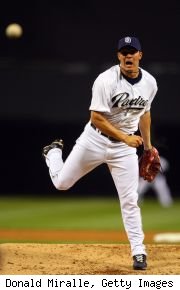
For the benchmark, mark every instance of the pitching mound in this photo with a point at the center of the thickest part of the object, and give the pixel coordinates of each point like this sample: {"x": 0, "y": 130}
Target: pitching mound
{"x": 97, "y": 259}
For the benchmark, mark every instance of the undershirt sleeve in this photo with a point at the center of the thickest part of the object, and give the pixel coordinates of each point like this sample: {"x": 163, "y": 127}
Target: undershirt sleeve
{"x": 148, "y": 107}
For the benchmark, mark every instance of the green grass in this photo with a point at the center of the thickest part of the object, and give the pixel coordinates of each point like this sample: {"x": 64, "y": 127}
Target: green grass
{"x": 155, "y": 217}
{"x": 54, "y": 213}
{"x": 79, "y": 214}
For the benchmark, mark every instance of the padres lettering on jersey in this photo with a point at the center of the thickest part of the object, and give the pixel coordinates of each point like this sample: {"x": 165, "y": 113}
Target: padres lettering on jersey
{"x": 123, "y": 100}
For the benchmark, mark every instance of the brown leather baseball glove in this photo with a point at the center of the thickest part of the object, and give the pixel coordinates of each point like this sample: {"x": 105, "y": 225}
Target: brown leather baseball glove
{"x": 149, "y": 164}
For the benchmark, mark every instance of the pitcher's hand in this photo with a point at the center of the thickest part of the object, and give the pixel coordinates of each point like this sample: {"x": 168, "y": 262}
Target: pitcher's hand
{"x": 133, "y": 140}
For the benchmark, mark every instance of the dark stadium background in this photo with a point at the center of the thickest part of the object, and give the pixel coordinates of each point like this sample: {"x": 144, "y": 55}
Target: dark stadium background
{"x": 46, "y": 78}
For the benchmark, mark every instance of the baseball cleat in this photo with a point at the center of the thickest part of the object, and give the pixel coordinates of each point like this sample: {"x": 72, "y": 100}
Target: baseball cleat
{"x": 139, "y": 262}
{"x": 58, "y": 143}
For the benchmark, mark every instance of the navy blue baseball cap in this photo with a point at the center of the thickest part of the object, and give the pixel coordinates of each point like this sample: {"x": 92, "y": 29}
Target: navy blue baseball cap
{"x": 129, "y": 41}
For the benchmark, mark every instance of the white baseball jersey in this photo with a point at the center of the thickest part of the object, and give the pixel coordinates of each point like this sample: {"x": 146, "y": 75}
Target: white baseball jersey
{"x": 121, "y": 102}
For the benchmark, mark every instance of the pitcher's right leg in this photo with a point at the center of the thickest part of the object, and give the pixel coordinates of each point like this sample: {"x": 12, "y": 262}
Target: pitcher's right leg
{"x": 79, "y": 162}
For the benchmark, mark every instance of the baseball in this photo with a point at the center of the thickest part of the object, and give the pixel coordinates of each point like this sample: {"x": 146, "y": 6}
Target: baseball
{"x": 14, "y": 30}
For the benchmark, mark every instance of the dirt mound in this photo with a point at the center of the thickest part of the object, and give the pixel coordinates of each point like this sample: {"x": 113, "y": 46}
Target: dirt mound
{"x": 89, "y": 259}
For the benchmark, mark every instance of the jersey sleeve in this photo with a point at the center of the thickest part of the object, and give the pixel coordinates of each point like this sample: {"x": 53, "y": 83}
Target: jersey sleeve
{"x": 154, "y": 91}
{"x": 100, "y": 96}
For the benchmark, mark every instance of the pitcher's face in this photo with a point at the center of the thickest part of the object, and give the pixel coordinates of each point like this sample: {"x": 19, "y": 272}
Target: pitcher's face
{"x": 129, "y": 58}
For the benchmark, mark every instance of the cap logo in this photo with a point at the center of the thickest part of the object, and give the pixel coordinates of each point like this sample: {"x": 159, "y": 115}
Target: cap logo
{"x": 128, "y": 39}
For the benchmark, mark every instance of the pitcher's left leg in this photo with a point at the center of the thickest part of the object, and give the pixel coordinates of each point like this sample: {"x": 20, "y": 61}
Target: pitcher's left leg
{"x": 125, "y": 175}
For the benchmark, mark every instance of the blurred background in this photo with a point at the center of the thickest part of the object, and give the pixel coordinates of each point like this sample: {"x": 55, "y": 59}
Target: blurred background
{"x": 46, "y": 76}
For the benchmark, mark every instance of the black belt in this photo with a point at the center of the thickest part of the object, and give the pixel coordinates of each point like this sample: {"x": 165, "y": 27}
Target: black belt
{"x": 101, "y": 133}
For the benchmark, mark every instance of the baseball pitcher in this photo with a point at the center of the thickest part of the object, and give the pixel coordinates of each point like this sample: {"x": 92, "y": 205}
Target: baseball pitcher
{"x": 121, "y": 103}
